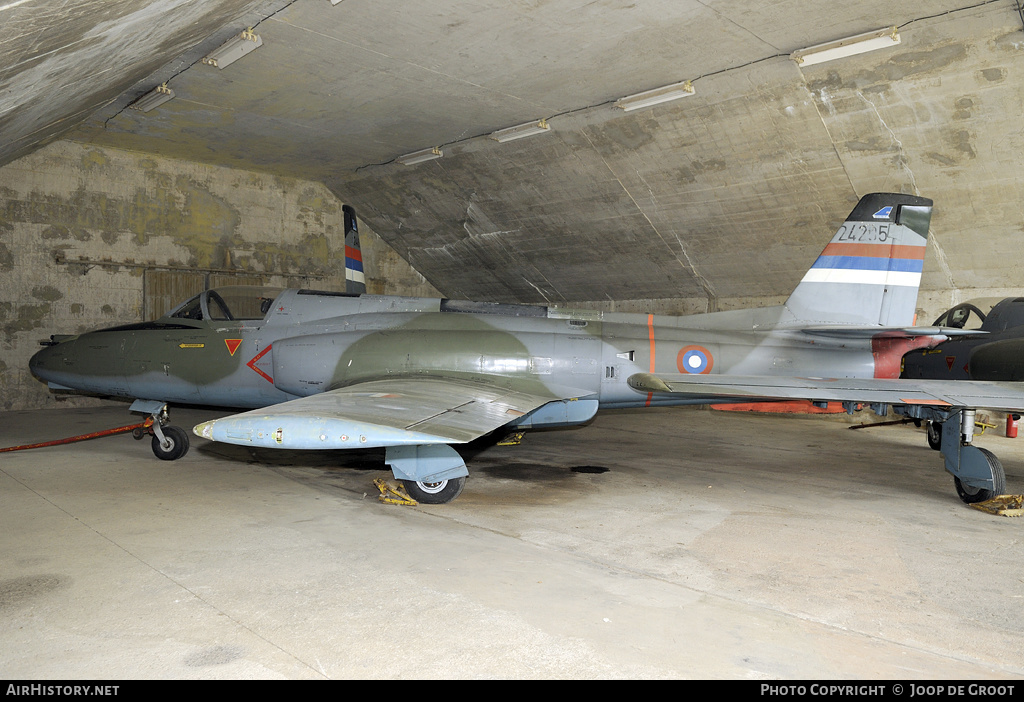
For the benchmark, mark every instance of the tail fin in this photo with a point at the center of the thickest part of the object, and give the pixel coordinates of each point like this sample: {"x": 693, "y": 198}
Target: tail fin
{"x": 871, "y": 270}
{"x": 355, "y": 281}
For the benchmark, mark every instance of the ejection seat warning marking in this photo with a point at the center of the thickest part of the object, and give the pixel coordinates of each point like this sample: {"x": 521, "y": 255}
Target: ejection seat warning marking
{"x": 255, "y": 360}
{"x": 232, "y": 345}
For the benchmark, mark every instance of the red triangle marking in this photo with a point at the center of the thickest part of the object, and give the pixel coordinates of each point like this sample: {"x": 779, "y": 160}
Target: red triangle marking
{"x": 233, "y": 345}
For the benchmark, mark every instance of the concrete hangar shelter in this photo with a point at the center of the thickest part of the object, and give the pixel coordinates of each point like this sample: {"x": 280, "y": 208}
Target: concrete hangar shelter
{"x": 669, "y": 543}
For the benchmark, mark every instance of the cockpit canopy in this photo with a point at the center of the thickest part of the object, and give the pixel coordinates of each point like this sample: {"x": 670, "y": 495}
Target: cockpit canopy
{"x": 232, "y": 303}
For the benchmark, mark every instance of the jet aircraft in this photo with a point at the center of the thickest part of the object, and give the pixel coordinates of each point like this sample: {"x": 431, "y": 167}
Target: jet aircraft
{"x": 994, "y": 351}
{"x": 323, "y": 370}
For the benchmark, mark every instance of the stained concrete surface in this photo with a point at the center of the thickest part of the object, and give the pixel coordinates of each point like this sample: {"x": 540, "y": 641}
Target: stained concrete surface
{"x": 668, "y": 543}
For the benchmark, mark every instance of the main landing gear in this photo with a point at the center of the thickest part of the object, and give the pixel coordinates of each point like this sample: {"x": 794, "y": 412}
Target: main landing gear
{"x": 169, "y": 442}
{"x": 977, "y": 473}
{"x": 438, "y": 492}
{"x": 433, "y": 474}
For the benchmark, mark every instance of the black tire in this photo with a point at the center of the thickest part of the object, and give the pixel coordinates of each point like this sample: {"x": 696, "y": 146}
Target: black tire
{"x": 438, "y": 493}
{"x": 178, "y": 439}
{"x": 972, "y": 495}
{"x": 935, "y": 435}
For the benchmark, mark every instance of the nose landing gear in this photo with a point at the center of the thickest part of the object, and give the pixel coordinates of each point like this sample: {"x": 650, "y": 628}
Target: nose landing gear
{"x": 169, "y": 442}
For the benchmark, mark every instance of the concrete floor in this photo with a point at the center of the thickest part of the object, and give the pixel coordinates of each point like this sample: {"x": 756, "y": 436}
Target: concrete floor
{"x": 668, "y": 543}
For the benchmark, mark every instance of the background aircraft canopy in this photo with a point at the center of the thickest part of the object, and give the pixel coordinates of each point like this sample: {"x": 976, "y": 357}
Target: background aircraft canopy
{"x": 990, "y": 314}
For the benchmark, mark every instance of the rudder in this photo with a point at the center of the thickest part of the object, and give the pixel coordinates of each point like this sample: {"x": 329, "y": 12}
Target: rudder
{"x": 870, "y": 272}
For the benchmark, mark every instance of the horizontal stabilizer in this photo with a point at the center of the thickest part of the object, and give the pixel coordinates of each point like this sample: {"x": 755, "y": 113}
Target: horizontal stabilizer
{"x": 1004, "y": 396}
{"x": 851, "y": 332}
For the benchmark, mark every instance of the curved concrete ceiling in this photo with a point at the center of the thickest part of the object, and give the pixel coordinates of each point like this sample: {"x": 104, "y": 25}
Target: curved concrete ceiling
{"x": 729, "y": 193}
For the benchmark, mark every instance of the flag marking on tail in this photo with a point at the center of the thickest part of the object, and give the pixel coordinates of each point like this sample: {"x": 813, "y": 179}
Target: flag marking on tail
{"x": 878, "y": 264}
{"x": 354, "y": 265}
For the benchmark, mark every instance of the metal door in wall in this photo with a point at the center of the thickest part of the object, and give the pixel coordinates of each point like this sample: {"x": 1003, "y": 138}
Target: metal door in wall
{"x": 164, "y": 290}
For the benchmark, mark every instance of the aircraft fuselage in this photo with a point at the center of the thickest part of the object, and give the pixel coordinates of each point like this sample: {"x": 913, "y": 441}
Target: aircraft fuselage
{"x": 309, "y": 342}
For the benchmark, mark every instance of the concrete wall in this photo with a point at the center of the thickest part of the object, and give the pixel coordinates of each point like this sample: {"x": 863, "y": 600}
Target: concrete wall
{"x": 80, "y": 228}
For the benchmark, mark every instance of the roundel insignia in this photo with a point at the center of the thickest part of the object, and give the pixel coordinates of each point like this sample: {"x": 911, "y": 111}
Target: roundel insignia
{"x": 695, "y": 359}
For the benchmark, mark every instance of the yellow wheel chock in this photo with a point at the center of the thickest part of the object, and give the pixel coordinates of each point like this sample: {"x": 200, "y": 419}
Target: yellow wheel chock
{"x": 1003, "y": 505}
{"x": 512, "y": 439}
{"x": 393, "y": 495}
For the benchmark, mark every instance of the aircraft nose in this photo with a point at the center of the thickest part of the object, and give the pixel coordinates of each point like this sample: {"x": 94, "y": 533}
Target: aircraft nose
{"x": 43, "y": 363}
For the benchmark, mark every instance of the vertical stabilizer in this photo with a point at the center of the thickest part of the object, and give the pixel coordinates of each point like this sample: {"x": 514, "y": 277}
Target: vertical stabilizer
{"x": 870, "y": 272}
{"x": 355, "y": 282}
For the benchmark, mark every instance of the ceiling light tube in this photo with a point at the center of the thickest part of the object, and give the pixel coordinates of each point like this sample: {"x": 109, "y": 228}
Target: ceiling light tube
{"x": 234, "y": 48}
{"x": 520, "y": 131}
{"x": 869, "y": 41}
{"x": 154, "y": 98}
{"x": 656, "y": 96}
{"x": 420, "y": 156}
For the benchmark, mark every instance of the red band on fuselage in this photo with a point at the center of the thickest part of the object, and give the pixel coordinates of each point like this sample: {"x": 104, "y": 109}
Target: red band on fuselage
{"x": 888, "y": 351}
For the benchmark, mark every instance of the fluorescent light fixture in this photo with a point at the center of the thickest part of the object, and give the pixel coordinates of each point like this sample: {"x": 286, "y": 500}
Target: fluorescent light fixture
{"x": 420, "y": 156}
{"x": 869, "y": 41}
{"x": 234, "y": 48}
{"x": 154, "y": 98}
{"x": 656, "y": 96}
{"x": 520, "y": 131}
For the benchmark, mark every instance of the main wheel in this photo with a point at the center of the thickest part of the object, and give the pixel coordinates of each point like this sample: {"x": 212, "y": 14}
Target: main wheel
{"x": 177, "y": 446}
{"x": 935, "y": 435}
{"x": 971, "y": 495}
{"x": 437, "y": 493}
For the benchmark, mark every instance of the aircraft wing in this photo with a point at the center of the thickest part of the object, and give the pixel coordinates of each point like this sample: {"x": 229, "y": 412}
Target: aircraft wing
{"x": 752, "y": 388}
{"x": 388, "y": 412}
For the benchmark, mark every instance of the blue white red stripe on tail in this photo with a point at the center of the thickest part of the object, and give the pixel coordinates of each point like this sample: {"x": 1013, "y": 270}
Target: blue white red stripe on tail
{"x": 865, "y": 263}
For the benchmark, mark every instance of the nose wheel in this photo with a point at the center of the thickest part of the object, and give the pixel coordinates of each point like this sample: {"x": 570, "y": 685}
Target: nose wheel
{"x": 174, "y": 444}
{"x": 169, "y": 442}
